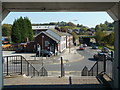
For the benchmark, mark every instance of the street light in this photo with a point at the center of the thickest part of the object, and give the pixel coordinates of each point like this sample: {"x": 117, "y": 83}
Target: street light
{"x": 69, "y": 36}
{"x": 42, "y": 50}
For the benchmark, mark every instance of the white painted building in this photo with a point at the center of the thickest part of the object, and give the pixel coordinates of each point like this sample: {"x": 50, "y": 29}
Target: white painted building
{"x": 37, "y": 29}
{"x": 43, "y": 27}
{"x": 59, "y": 36}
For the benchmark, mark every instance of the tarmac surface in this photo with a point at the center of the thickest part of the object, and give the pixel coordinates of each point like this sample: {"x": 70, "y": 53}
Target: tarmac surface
{"x": 68, "y": 55}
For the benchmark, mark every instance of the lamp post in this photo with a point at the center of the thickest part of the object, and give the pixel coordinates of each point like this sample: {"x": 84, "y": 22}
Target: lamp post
{"x": 42, "y": 49}
{"x": 70, "y": 36}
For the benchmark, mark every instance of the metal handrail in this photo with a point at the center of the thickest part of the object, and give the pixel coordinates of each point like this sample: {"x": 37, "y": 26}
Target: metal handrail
{"x": 104, "y": 66}
{"x": 93, "y": 66}
{"x": 29, "y": 63}
{"x": 19, "y": 67}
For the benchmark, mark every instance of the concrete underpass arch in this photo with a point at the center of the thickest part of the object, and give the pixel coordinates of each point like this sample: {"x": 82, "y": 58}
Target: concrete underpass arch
{"x": 112, "y": 7}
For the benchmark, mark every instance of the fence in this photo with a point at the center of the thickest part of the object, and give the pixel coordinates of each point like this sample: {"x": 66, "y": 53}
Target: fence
{"x": 100, "y": 66}
{"x": 43, "y": 72}
{"x": 18, "y": 65}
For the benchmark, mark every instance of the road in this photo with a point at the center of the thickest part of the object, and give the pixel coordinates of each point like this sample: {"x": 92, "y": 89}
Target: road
{"x": 75, "y": 66}
{"x": 71, "y": 68}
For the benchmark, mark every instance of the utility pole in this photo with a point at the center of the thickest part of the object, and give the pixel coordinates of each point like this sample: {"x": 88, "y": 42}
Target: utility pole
{"x": 42, "y": 49}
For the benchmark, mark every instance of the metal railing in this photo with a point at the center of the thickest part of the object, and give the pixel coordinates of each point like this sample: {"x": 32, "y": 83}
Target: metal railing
{"x": 17, "y": 64}
{"x": 101, "y": 66}
{"x": 43, "y": 72}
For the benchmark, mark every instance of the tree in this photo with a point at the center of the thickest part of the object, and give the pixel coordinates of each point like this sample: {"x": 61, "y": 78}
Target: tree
{"x": 99, "y": 35}
{"x": 97, "y": 28}
{"x": 16, "y": 35}
{"x": 29, "y": 28}
{"x": 84, "y": 28}
{"x": 109, "y": 39}
{"x": 104, "y": 27}
{"x": 6, "y": 30}
{"x": 71, "y": 24}
{"x": 22, "y": 30}
{"x": 74, "y": 36}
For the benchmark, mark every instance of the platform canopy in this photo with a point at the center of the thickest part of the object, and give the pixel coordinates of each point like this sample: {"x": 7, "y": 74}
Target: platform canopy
{"x": 60, "y": 0}
{"x": 57, "y": 5}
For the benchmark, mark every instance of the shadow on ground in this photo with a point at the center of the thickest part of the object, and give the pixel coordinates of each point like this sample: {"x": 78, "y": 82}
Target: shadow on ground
{"x": 92, "y": 59}
{"x": 81, "y": 86}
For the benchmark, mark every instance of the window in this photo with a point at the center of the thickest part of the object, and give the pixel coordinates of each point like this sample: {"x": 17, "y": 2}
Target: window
{"x": 46, "y": 43}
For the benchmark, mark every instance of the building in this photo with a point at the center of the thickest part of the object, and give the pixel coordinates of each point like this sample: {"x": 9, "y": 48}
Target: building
{"x": 51, "y": 40}
{"x": 69, "y": 40}
{"x": 38, "y": 28}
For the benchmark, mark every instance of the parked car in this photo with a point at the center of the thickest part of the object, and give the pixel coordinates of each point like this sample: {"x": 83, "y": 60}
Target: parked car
{"x": 105, "y": 50}
{"x": 94, "y": 47}
{"x": 84, "y": 45}
{"x": 100, "y": 56}
{"x": 81, "y": 48}
{"x": 19, "y": 50}
{"x": 44, "y": 53}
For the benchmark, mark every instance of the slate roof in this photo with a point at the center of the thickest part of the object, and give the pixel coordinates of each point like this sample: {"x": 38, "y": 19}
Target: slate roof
{"x": 48, "y": 36}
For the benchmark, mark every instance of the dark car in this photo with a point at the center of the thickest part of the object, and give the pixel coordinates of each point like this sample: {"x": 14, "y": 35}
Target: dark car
{"x": 94, "y": 47}
{"x": 105, "y": 50}
{"x": 44, "y": 53}
{"x": 100, "y": 56}
{"x": 19, "y": 50}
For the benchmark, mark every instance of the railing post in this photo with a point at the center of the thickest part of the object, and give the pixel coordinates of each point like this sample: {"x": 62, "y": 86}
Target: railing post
{"x": 62, "y": 68}
{"x": 104, "y": 63}
{"x": 21, "y": 66}
{"x": 28, "y": 68}
{"x": 112, "y": 54}
{"x": 33, "y": 71}
{"x": 97, "y": 67}
{"x": 92, "y": 72}
{"x": 7, "y": 66}
{"x": 85, "y": 71}
{"x": 38, "y": 73}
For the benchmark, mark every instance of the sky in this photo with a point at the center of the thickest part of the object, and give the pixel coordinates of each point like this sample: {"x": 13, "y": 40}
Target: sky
{"x": 90, "y": 19}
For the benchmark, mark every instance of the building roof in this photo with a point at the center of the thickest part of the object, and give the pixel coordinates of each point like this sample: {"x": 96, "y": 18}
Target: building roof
{"x": 57, "y": 32}
{"x": 48, "y": 36}
{"x": 67, "y": 34}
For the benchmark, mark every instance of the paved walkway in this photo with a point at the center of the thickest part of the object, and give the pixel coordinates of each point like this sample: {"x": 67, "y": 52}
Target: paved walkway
{"x": 24, "y": 80}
